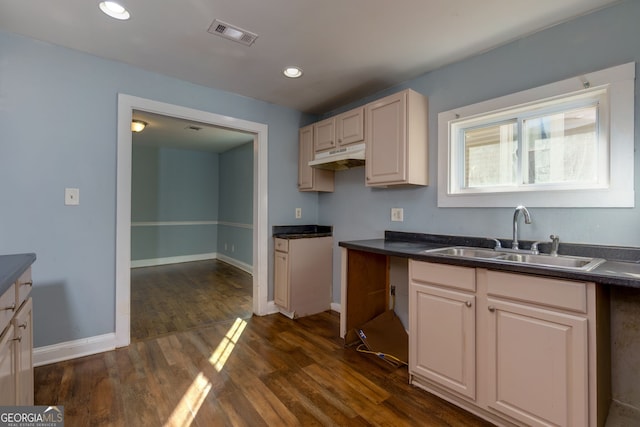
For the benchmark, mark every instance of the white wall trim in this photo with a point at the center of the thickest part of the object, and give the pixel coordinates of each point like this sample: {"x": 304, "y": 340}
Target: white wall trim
{"x": 73, "y": 349}
{"x": 235, "y": 224}
{"x": 170, "y": 223}
{"x": 151, "y": 262}
{"x": 272, "y": 308}
{"x": 126, "y": 105}
{"x": 336, "y": 307}
{"x": 164, "y": 223}
{"x": 236, "y": 263}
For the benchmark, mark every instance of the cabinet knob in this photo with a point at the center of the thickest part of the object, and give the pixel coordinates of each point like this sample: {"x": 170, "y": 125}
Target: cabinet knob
{"x": 17, "y": 339}
{"x": 23, "y": 325}
{"x": 11, "y": 307}
{"x": 492, "y": 308}
{"x": 468, "y": 303}
{"x": 29, "y": 283}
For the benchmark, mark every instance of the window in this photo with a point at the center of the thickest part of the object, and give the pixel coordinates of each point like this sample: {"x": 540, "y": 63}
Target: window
{"x": 566, "y": 144}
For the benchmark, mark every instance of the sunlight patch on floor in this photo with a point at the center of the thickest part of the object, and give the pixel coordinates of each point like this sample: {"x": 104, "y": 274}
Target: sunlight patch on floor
{"x": 226, "y": 346}
{"x": 188, "y": 407}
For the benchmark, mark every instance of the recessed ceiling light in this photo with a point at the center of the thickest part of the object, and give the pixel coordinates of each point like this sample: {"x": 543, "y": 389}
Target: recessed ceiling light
{"x": 292, "y": 72}
{"x": 114, "y": 10}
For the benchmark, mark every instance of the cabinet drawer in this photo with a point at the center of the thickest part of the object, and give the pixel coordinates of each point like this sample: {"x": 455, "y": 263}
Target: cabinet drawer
{"x": 23, "y": 287}
{"x": 7, "y": 307}
{"x": 444, "y": 275}
{"x": 564, "y": 294}
{"x": 281, "y": 245}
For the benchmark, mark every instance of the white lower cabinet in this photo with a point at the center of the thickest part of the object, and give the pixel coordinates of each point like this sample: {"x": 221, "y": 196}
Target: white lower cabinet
{"x": 23, "y": 339}
{"x": 16, "y": 344}
{"x": 302, "y": 275}
{"x": 443, "y": 326}
{"x": 7, "y": 368}
{"x": 515, "y": 349}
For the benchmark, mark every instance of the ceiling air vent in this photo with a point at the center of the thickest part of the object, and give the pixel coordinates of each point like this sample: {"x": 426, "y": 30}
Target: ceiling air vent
{"x": 192, "y": 127}
{"x": 232, "y": 32}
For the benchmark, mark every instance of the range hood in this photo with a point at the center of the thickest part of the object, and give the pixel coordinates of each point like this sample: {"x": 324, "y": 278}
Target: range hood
{"x": 341, "y": 158}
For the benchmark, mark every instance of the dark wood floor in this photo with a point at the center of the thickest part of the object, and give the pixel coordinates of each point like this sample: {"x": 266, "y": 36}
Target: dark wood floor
{"x": 179, "y": 297}
{"x": 258, "y": 371}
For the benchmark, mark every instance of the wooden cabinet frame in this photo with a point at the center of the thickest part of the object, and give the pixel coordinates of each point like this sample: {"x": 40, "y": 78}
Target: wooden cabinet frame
{"x": 365, "y": 290}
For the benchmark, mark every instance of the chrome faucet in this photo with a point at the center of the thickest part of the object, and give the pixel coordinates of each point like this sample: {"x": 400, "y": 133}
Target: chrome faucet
{"x": 555, "y": 242}
{"x": 527, "y": 219}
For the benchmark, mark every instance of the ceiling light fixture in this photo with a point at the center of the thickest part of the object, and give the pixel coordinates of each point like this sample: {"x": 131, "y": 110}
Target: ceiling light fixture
{"x": 138, "y": 125}
{"x": 114, "y": 10}
{"x": 292, "y": 72}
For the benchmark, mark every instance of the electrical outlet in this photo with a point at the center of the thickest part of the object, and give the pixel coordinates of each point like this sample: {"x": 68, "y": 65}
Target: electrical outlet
{"x": 71, "y": 196}
{"x": 298, "y": 213}
{"x": 397, "y": 214}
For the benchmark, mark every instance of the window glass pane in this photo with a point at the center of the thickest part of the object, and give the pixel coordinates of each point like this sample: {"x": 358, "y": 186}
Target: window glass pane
{"x": 561, "y": 148}
{"x": 490, "y": 154}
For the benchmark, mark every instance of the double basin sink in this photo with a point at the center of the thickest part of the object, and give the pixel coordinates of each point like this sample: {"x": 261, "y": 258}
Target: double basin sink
{"x": 559, "y": 261}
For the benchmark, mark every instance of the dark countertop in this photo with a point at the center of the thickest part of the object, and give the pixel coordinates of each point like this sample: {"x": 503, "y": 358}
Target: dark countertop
{"x": 301, "y": 231}
{"x": 622, "y": 267}
{"x": 11, "y": 267}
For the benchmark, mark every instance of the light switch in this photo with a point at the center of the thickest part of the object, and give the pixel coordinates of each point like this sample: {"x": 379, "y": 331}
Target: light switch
{"x": 397, "y": 214}
{"x": 71, "y": 196}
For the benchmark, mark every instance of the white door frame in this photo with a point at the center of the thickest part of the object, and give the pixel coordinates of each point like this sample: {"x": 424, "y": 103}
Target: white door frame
{"x": 126, "y": 105}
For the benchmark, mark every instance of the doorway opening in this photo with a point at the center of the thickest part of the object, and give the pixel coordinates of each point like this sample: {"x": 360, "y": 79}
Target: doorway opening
{"x": 126, "y": 106}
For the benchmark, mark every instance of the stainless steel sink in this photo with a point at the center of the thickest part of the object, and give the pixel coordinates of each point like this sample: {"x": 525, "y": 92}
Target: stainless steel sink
{"x": 465, "y": 252}
{"x": 560, "y": 261}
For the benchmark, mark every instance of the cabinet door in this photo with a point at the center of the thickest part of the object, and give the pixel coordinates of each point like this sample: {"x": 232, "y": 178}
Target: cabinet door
{"x": 442, "y": 344}
{"x": 7, "y": 368}
{"x": 24, "y": 353}
{"x": 310, "y": 179}
{"x": 386, "y": 140}
{"x": 324, "y": 135}
{"x": 350, "y": 127}
{"x": 281, "y": 280}
{"x": 537, "y": 364}
{"x": 305, "y": 155}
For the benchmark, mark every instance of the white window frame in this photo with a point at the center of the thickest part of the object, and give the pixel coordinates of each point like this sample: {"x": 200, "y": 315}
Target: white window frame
{"x": 615, "y": 187}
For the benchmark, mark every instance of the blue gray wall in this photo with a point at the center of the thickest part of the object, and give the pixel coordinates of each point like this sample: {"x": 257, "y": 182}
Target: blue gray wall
{"x": 173, "y": 191}
{"x": 171, "y": 187}
{"x": 605, "y": 38}
{"x": 58, "y": 129}
{"x": 235, "y": 232}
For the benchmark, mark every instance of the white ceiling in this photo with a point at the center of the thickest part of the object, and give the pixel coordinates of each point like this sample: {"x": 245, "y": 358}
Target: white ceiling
{"x": 348, "y": 48}
{"x": 171, "y": 132}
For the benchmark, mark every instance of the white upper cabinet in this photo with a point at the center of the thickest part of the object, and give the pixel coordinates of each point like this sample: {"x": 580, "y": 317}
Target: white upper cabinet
{"x": 350, "y": 127}
{"x": 311, "y": 179}
{"x": 339, "y": 131}
{"x": 397, "y": 143}
{"x": 324, "y": 135}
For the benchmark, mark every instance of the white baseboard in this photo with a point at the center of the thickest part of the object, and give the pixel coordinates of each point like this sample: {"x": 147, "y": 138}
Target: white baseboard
{"x": 239, "y": 264}
{"x": 336, "y": 307}
{"x": 73, "y": 349}
{"x": 153, "y": 262}
{"x": 272, "y": 308}
{"x": 172, "y": 260}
